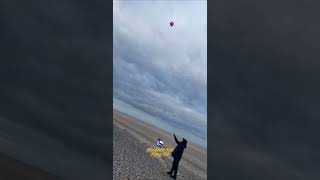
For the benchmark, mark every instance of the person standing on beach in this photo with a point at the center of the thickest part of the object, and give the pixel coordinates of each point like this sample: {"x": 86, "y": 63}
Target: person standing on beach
{"x": 177, "y": 154}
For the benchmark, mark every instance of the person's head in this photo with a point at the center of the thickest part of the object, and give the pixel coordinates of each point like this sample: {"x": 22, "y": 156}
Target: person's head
{"x": 184, "y": 141}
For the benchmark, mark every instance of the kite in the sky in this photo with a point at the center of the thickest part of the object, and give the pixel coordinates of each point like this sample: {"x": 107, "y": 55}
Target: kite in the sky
{"x": 171, "y": 23}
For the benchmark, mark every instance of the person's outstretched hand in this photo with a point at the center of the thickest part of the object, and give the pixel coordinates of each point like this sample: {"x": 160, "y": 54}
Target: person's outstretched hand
{"x": 175, "y": 138}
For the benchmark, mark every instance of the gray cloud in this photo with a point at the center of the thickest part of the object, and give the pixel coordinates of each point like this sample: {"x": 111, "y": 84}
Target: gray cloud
{"x": 159, "y": 69}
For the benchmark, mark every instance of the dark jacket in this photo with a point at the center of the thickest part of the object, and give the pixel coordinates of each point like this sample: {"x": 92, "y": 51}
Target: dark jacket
{"x": 178, "y": 151}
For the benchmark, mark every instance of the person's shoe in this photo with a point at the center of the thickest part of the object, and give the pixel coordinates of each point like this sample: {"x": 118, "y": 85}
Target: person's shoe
{"x": 169, "y": 172}
{"x": 174, "y": 177}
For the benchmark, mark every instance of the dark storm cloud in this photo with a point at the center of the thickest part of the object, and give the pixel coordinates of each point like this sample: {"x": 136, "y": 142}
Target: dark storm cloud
{"x": 263, "y": 86}
{"x": 54, "y": 74}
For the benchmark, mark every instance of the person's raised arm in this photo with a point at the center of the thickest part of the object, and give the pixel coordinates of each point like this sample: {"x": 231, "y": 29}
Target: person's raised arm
{"x": 175, "y": 138}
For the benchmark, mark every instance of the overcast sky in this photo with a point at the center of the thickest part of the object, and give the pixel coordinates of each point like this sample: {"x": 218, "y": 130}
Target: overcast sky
{"x": 159, "y": 69}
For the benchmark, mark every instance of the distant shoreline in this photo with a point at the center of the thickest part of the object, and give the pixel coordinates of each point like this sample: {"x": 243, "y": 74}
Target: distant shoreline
{"x": 161, "y": 129}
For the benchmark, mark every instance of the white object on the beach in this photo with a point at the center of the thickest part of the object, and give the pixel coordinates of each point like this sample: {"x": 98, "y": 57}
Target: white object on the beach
{"x": 159, "y": 143}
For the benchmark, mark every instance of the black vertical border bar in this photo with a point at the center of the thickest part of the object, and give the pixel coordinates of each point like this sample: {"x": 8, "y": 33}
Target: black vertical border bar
{"x": 108, "y": 11}
{"x": 56, "y": 69}
{"x": 263, "y": 89}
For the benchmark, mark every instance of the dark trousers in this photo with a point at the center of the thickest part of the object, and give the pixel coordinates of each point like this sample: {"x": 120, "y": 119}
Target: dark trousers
{"x": 174, "y": 167}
